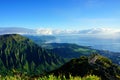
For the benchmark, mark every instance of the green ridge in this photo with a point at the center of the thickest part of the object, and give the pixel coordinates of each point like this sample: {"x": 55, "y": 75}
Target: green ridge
{"x": 20, "y": 55}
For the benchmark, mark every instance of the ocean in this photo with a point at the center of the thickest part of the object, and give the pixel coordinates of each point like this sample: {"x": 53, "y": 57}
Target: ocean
{"x": 111, "y": 44}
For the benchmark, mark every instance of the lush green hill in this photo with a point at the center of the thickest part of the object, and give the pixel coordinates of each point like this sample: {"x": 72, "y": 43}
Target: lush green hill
{"x": 20, "y": 55}
{"x": 94, "y": 64}
{"x": 67, "y": 50}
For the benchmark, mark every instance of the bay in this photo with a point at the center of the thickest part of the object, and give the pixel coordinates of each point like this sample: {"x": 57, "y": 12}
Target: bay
{"x": 111, "y": 44}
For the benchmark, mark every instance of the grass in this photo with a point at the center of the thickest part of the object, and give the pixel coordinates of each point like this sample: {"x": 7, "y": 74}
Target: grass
{"x": 83, "y": 50}
{"x": 50, "y": 77}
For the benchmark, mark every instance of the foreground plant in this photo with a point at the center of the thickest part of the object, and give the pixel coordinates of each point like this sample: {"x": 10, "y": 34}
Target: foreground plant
{"x": 50, "y": 77}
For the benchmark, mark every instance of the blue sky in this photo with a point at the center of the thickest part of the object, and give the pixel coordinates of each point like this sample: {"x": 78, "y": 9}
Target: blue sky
{"x": 60, "y": 14}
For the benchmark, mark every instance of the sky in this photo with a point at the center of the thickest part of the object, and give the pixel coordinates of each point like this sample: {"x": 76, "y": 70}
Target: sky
{"x": 60, "y": 14}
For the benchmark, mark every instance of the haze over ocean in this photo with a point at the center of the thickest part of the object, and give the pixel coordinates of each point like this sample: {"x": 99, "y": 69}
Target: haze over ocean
{"x": 94, "y": 42}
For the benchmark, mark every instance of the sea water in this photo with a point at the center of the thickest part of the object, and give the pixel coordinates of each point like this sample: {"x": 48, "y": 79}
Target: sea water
{"x": 111, "y": 44}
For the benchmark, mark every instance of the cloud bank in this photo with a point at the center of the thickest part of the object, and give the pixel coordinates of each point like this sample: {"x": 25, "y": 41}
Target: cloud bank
{"x": 47, "y": 31}
{"x": 16, "y": 30}
{"x": 93, "y": 31}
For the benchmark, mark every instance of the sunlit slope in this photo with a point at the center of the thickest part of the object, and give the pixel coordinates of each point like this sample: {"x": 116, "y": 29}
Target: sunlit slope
{"x": 20, "y": 54}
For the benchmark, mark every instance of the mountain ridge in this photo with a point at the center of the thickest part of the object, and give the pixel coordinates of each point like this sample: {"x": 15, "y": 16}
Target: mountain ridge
{"x": 90, "y": 65}
{"x": 23, "y": 55}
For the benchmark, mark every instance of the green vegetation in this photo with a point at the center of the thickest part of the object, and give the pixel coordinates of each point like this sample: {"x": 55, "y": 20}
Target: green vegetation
{"x": 22, "y": 59}
{"x": 20, "y": 55}
{"x": 94, "y": 65}
{"x": 66, "y": 50}
{"x": 50, "y": 77}
{"x": 70, "y": 51}
{"x": 84, "y": 51}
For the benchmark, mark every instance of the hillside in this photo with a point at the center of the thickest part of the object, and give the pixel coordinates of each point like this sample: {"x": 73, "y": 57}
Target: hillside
{"x": 67, "y": 50}
{"x": 20, "y": 55}
{"x": 94, "y": 64}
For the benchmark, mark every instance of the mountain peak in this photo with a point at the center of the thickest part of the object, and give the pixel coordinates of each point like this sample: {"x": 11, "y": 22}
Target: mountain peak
{"x": 9, "y": 35}
{"x": 23, "y": 55}
{"x": 13, "y": 37}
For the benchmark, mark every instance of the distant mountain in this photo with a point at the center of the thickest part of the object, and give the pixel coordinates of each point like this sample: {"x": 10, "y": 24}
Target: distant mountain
{"x": 94, "y": 65}
{"x": 21, "y": 55}
{"x": 16, "y": 30}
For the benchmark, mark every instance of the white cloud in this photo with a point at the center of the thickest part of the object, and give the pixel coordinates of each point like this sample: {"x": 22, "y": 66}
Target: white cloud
{"x": 109, "y": 32}
{"x": 43, "y": 31}
{"x": 94, "y": 31}
{"x": 100, "y": 31}
{"x": 66, "y": 31}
